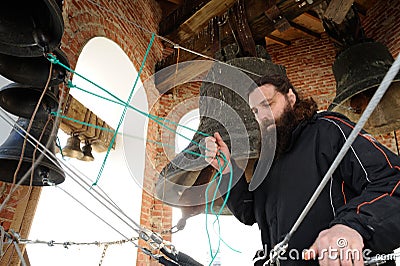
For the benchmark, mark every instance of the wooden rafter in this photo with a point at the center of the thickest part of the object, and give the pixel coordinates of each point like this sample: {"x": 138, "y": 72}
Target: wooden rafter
{"x": 177, "y": 2}
{"x": 337, "y": 10}
{"x": 199, "y": 19}
{"x": 277, "y": 40}
{"x": 180, "y": 15}
{"x": 311, "y": 14}
{"x": 305, "y": 30}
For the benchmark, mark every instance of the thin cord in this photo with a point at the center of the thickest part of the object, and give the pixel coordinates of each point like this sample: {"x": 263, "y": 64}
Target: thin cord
{"x": 31, "y": 123}
{"x": 21, "y": 257}
{"x": 121, "y": 102}
{"x": 33, "y": 165}
{"x": 125, "y": 110}
{"x": 14, "y": 188}
{"x": 46, "y": 152}
{"x": 92, "y": 212}
{"x": 151, "y": 116}
{"x": 53, "y": 158}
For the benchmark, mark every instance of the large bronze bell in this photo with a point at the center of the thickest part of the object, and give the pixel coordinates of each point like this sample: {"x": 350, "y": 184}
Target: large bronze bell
{"x": 44, "y": 171}
{"x": 189, "y": 171}
{"x": 33, "y": 71}
{"x": 30, "y": 28}
{"x": 358, "y": 72}
{"x": 21, "y": 100}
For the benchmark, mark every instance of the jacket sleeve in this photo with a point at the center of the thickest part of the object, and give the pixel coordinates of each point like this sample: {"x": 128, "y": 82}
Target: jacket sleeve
{"x": 240, "y": 199}
{"x": 371, "y": 173}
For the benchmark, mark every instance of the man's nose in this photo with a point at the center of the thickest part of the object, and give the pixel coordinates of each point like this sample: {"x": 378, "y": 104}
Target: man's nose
{"x": 264, "y": 114}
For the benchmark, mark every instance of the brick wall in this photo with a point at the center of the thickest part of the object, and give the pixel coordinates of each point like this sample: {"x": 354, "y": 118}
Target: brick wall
{"x": 7, "y": 214}
{"x": 308, "y": 64}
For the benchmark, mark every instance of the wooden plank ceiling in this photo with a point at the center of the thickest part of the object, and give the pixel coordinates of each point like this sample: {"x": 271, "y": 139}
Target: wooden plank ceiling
{"x": 203, "y": 25}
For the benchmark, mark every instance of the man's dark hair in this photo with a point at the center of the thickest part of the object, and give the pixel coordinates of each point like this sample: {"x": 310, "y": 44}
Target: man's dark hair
{"x": 304, "y": 108}
{"x": 281, "y": 82}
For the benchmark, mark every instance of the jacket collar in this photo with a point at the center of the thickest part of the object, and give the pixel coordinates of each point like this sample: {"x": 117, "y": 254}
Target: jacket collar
{"x": 303, "y": 124}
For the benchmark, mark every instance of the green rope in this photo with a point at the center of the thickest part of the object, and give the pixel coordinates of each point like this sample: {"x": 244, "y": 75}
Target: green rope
{"x": 53, "y": 59}
{"x": 218, "y": 174}
{"x": 81, "y": 122}
{"x": 58, "y": 144}
{"x": 125, "y": 110}
{"x": 152, "y": 117}
{"x": 123, "y": 134}
{"x": 119, "y": 101}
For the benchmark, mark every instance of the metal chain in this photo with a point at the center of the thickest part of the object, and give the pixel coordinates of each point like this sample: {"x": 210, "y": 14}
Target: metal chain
{"x": 103, "y": 254}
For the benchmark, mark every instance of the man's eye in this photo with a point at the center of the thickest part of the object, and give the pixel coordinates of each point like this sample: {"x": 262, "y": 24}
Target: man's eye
{"x": 267, "y": 104}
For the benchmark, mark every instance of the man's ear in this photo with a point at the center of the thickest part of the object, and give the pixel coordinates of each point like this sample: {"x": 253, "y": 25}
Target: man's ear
{"x": 292, "y": 97}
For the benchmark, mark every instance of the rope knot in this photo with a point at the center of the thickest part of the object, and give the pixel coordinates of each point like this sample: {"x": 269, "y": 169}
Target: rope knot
{"x": 52, "y": 58}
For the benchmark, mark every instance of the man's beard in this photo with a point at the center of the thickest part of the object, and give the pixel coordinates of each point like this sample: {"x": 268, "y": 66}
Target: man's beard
{"x": 284, "y": 127}
{"x": 286, "y": 124}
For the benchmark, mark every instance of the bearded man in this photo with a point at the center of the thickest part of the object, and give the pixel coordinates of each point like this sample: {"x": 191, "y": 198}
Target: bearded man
{"x": 358, "y": 211}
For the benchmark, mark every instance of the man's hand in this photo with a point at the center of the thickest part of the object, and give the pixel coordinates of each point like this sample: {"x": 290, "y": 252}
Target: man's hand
{"x": 338, "y": 245}
{"x": 214, "y": 147}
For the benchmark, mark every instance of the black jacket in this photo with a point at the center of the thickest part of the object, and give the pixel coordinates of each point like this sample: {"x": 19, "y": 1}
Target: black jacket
{"x": 363, "y": 193}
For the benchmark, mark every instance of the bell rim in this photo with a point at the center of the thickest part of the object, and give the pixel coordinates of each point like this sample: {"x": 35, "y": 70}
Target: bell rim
{"x": 366, "y": 84}
{"x": 56, "y": 168}
{"x": 346, "y": 95}
{"x": 19, "y": 76}
{"x": 50, "y": 96}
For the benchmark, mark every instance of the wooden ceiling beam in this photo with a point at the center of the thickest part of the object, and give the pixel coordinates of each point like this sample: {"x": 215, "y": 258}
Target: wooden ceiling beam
{"x": 337, "y": 10}
{"x": 305, "y": 30}
{"x": 176, "y": 2}
{"x": 199, "y": 19}
{"x": 311, "y": 14}
{"x": 180, "y": 15}
{"x": 262, "y": 26}
{"x": 277, "y": 40}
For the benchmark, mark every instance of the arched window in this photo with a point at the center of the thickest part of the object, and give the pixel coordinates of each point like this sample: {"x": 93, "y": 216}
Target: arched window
{"x": 61, "y": 218}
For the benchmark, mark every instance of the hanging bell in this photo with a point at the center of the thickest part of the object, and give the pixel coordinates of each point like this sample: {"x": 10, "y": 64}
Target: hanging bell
{"x": 45, "y": 172}
{"x": 34, "y": 71}
{"x": 30, "y": 28}
{"x": 73, "y": 148}
{"x": 179, "y": 180}
{"x": 87, "y": 153}
{"x": 21, "y": 100}
{"x": 358, "y": 72}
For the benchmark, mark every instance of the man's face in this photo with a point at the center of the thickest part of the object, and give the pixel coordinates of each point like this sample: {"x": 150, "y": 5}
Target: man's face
{"x": 268, "y": 105}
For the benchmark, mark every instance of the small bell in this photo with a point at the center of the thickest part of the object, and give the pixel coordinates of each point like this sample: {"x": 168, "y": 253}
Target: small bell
{"x": 73, "y": 148}
{"x": 87, "y": 153}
